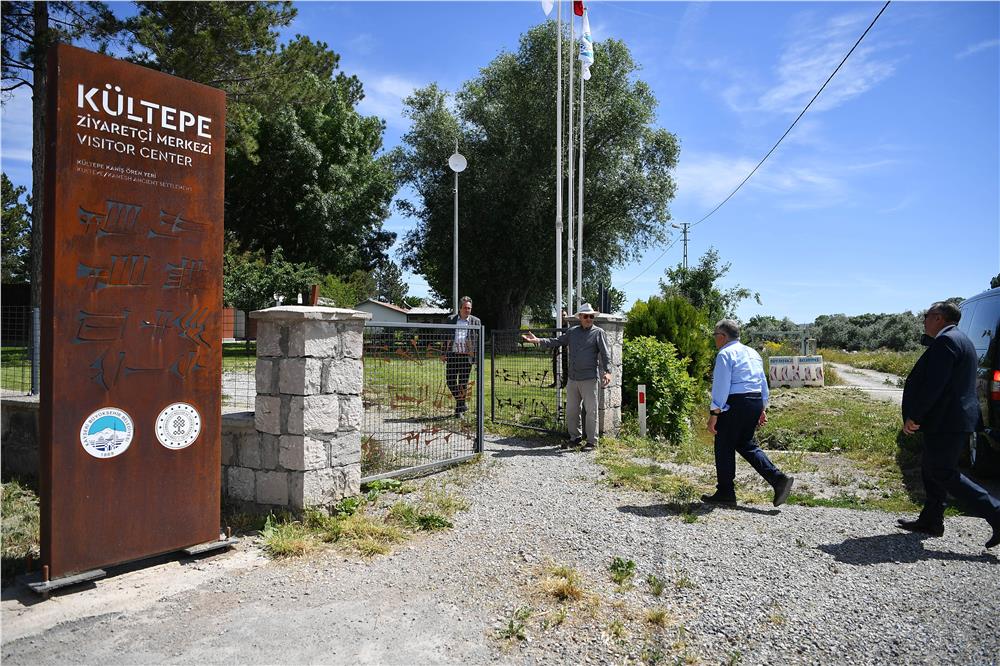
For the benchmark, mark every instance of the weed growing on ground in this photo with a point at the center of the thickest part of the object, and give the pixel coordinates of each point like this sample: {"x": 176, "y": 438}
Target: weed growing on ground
{"x": 21, "y": 523}
{"x": 416, "y": 518}
{"x": 684, "y": 582}
{"x": 516, "y": 626}
{"x": 656, "y": 584}
{"x": 616, "y": 630}
{"x": 286, "y": 539}
{"x": 562, "y": 583}
{"x": 557, "y": 618}
{"x": 622, "y": 570}
{"x": 657, "y": 616}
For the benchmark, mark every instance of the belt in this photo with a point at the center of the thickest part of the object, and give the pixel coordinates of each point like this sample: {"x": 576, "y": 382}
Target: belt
{"x": 745, "y": 395}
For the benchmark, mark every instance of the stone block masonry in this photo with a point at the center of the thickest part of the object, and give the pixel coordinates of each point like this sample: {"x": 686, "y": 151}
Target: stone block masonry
{"x": 303, "y": 444}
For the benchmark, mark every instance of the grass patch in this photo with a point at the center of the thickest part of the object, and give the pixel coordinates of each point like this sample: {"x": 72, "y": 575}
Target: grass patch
{"x": 656, "y": 584}
{"x": 287, "y": 538}
{"x": 882, "y": 360}
{"x": 562, "y": 583}
{"x": 617, "y": 456}
{"x": 657, "y": 616}
{"x": 21, "y": 525}
{"x": 416, "y": 518}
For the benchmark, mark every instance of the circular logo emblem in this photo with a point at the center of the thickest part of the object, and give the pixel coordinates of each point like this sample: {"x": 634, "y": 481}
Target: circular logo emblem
{"x": 106, "y": 433}
{"x": 178, "y": 425}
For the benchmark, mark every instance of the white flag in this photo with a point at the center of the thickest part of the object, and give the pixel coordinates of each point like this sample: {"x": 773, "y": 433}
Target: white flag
{"x": 586, "y": 46}
{"x": 547, "y": 6}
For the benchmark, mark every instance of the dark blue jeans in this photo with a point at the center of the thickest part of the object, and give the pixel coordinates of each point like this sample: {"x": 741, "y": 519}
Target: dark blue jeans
{"x": 735, "y": 432}
{"x": 942, "y": 478}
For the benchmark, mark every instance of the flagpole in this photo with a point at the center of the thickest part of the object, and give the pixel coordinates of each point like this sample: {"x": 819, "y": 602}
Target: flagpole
{"x": 569, "y": 162}
{"x": 579, "y": 241}
{"x": 559, "y": 219}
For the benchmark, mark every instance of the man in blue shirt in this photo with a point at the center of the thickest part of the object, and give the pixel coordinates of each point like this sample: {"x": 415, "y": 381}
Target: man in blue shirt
{"x": 739, "y": 401}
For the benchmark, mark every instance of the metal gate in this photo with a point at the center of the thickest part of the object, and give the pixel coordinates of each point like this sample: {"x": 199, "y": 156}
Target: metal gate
{"x": 523, "y": 387}
{"x": 422, "y": 396}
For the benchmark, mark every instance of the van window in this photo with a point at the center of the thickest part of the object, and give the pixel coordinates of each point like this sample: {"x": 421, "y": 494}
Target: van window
{"x": 982, "y": 322}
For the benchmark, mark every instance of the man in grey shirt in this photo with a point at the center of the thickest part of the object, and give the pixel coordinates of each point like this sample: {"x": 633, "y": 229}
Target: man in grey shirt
{"x": 589, "y": 362}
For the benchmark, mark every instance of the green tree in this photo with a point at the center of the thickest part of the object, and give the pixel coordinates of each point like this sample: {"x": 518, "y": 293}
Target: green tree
{"x": 348, "y": 292}
{"x": 301, "y": 163}
{"x": 251, "y": 282}
{"x": 676, "y": 321}
{"x": 995, "y": 281}
{"x": 698, "y": 286}
{"x": 28, "y": 30}
{"x": 389, "y": 284}
{"x": 16, "y": 231}
{"x": 504, "y": 123}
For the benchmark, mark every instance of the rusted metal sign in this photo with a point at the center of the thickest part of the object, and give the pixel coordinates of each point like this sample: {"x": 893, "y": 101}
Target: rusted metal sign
{"x": 132, "y": 303}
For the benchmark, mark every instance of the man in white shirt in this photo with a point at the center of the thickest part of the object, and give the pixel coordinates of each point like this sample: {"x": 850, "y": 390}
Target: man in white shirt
{"x": 460, "y": 351}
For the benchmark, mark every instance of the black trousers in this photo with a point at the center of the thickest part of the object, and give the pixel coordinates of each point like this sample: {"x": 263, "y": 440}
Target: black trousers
{"x": 942, "y": 478}
{"x": 735, "y": 433}
{"x": 457, "y": 369}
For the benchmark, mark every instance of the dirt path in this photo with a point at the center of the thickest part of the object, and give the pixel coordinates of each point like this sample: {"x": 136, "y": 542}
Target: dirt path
{"x": 879, "y": 385}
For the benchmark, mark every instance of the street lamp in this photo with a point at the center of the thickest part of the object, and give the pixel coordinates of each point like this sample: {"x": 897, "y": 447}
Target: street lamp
{"x": 456, "y": 163}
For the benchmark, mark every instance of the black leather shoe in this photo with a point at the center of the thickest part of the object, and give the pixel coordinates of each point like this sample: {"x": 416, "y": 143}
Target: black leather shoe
{"x": 587, "y": 446}
{"x": 922, "y": 527}
{"x": 716, "y": 498}
{"x": 995, "y": 539}
{"x": 781, "y": 490}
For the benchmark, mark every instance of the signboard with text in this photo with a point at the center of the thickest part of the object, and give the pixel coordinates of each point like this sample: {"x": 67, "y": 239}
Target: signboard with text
{"x": 131, "y": 306}
{"x": 795, "y": 371}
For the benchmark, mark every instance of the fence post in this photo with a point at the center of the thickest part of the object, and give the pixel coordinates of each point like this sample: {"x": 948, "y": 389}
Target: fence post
{"x": 642, "y": 410}
{"x": 36, "y": 344}
{"x": 308, "y": 408}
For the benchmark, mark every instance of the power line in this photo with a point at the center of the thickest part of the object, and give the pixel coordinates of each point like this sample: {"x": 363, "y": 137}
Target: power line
{"x": 777, "y": 143}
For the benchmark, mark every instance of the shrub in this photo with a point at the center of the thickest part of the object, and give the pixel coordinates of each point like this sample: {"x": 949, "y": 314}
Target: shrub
{"x": 671, "y": 392}
{"x": 676, "y": 321}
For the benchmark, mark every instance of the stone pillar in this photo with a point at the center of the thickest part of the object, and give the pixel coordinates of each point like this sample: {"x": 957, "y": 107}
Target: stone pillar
{"x": 609, "y": 400}
{"x": 308, "y": 410}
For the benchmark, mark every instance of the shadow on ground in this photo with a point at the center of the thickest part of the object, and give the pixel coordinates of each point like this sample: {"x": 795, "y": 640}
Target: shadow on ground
{"x": 904, "y": 547}
{"x": 668, "y": 509}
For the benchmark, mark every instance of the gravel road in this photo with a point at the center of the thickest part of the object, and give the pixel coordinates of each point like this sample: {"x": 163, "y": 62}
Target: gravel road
{"x": 748, "y": 585}
{"x": 879, "y": 385}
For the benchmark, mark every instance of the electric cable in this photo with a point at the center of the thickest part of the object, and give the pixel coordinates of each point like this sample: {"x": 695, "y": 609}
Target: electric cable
{"x": 778, "y": 142}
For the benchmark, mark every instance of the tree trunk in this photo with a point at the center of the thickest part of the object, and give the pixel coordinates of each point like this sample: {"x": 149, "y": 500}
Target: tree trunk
{"x": 38, "y": 112}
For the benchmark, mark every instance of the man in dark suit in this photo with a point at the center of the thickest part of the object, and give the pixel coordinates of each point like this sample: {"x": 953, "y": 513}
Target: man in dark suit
{"x": 460, "y": 351}
{"x": 939, "y": 400}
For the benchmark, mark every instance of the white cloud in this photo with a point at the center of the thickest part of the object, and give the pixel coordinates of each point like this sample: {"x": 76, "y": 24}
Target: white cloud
{"x": 363, "y": 44}
{"x": 976, "y": 48}
{"x": 710, "y": 178}
{"x": 814, "y": 52}
{"x": 384, "y": 95}
{"x": 811, "y": 55}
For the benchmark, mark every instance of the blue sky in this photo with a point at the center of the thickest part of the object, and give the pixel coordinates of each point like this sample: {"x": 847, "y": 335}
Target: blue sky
{"x": 885, "y": 196}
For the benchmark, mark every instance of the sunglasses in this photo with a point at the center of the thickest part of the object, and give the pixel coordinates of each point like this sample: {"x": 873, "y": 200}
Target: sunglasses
{"x": 586, "y": 316}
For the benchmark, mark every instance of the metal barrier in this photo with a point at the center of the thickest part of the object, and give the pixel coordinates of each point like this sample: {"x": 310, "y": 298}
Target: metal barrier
{"x": 423, "y": 400}
{"x": 16, "y": 349}
{"x": 523, "y": 387}
{"x": 239, "y": 363}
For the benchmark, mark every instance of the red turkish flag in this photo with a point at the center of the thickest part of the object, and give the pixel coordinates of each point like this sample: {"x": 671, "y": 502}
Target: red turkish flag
{"x": 578, "y": 7}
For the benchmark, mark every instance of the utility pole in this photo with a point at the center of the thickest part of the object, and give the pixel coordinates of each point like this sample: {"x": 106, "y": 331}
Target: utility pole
{"x": 685, "y": 227}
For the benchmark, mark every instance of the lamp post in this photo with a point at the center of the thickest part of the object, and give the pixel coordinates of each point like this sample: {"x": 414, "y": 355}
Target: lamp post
{"x": 456, "y": 163}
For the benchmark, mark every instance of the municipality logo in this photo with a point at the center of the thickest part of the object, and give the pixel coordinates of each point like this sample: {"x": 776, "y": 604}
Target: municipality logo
{"x": 106, "y": 433}
{"x": 178, "y": 425}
